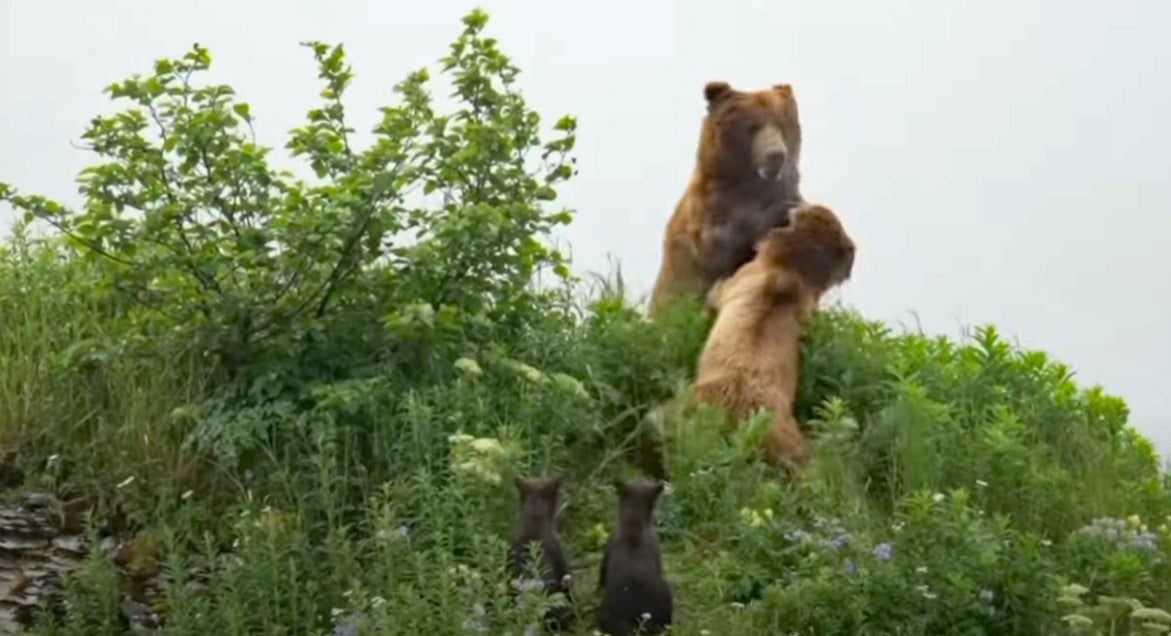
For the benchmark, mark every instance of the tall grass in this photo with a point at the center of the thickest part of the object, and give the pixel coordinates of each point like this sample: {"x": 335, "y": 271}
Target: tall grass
{"x": 974, "y": 462}
{"x": 75, "y": 390}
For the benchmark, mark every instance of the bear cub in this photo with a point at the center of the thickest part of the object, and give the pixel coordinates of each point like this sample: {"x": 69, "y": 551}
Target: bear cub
{"x": 636, "y": 595}
{"x": 537, "y": 522}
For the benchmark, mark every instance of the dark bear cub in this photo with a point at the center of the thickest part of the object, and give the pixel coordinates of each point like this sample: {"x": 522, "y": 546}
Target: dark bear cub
{"x": 636, "y": 595}
{"x": 538, "y": 523}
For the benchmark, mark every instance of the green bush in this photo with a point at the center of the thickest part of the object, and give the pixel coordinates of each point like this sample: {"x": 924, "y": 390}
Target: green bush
{"x": 317, "y": 392}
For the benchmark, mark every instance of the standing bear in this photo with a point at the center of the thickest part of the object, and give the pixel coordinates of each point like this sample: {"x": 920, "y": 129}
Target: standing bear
{"x": 745, "y": 180}
{"x": 751, "y": 358}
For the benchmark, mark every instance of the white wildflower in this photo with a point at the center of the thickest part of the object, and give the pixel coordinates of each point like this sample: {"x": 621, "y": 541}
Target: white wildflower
{"x": 570, "y": 384}
{"x": 487, "y": 445}
{"x": 460, "y": 438}
{"x": 468, "y": 366}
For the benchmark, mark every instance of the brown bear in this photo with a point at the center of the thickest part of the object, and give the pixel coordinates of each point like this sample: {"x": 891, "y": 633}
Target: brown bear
{"x": 745, "y": 180}
{"x": 751, "y": 357}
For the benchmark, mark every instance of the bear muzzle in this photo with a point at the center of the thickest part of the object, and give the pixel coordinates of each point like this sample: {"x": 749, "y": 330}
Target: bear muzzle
{"x": 769, "y": 153}
{"x": 771, "y": 166}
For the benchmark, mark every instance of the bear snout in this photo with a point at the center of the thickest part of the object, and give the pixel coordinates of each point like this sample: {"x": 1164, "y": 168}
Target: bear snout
{"x": 769, "y": 153}
{"x": 771, "y": 165}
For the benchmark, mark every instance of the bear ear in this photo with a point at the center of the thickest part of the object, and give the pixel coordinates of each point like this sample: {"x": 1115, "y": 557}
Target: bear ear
{"x": 786, "y": 90}
{"x": 846, "y": 264}
{"x": 716, "y": 91}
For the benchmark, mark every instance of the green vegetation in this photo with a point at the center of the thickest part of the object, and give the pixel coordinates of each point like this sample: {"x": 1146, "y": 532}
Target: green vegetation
{"x": 312, "y": 395}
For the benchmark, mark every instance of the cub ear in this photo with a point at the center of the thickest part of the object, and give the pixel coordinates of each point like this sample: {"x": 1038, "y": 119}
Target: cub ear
{"x": 716, "y": 91}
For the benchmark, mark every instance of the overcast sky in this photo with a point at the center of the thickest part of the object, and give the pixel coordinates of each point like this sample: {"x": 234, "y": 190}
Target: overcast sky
{"x": 997, "y": 162}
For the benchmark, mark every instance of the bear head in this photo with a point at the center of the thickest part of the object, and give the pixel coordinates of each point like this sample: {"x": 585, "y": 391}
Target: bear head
{"x": 539, "y": 496}
{"x": 636, "y": 501}
{"x": 750, "y": 135}
{"x": 814, "y": 245}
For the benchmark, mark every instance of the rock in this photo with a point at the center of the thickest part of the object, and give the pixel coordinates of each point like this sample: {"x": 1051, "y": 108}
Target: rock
{"x": 32, "y": 556}
{"x": 36, "y": 547}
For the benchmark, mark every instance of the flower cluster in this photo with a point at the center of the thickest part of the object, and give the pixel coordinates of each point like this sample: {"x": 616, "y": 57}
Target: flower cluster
{"x": 1126, "y": 533}
{"x": 831, "y": 535}
{"x": 755, "y": 518}
{"x": 482, "y": 458}
{"x": 837, "y": 536}
{"x": 353, "y": 621}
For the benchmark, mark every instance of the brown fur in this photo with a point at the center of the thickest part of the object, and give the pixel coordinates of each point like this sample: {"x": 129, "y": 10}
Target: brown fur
{"x": 746, "y": 178}
{"x": 537, "y": 522}
{"x": 632, "y": 577}
{"x": 751, "y": 357}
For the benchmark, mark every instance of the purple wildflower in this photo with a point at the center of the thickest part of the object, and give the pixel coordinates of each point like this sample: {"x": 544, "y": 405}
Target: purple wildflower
{"x": 883, "y": 551}
{"x": 841, "y": 540}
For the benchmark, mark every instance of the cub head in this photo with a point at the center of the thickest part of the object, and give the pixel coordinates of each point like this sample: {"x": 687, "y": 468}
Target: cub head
{"x": 539, "y": 496}
{"x": 636, "y": 499}
{"x": 750, "y": 134}
{"x": 814, "y": 245}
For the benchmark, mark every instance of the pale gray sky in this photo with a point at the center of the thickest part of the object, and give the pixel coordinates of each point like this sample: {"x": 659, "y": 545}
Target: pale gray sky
{"x": 996, "y": 161}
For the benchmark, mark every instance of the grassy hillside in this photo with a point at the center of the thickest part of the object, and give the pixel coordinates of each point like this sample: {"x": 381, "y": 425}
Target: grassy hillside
{"x": 305, "y": 401}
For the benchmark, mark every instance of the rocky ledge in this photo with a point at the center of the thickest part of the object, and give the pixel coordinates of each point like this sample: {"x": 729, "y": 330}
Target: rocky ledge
{"x": 42, "y": 537}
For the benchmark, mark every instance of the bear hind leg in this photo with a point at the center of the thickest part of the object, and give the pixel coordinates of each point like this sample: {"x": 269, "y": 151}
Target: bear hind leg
{"x": 785, "y": 445}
